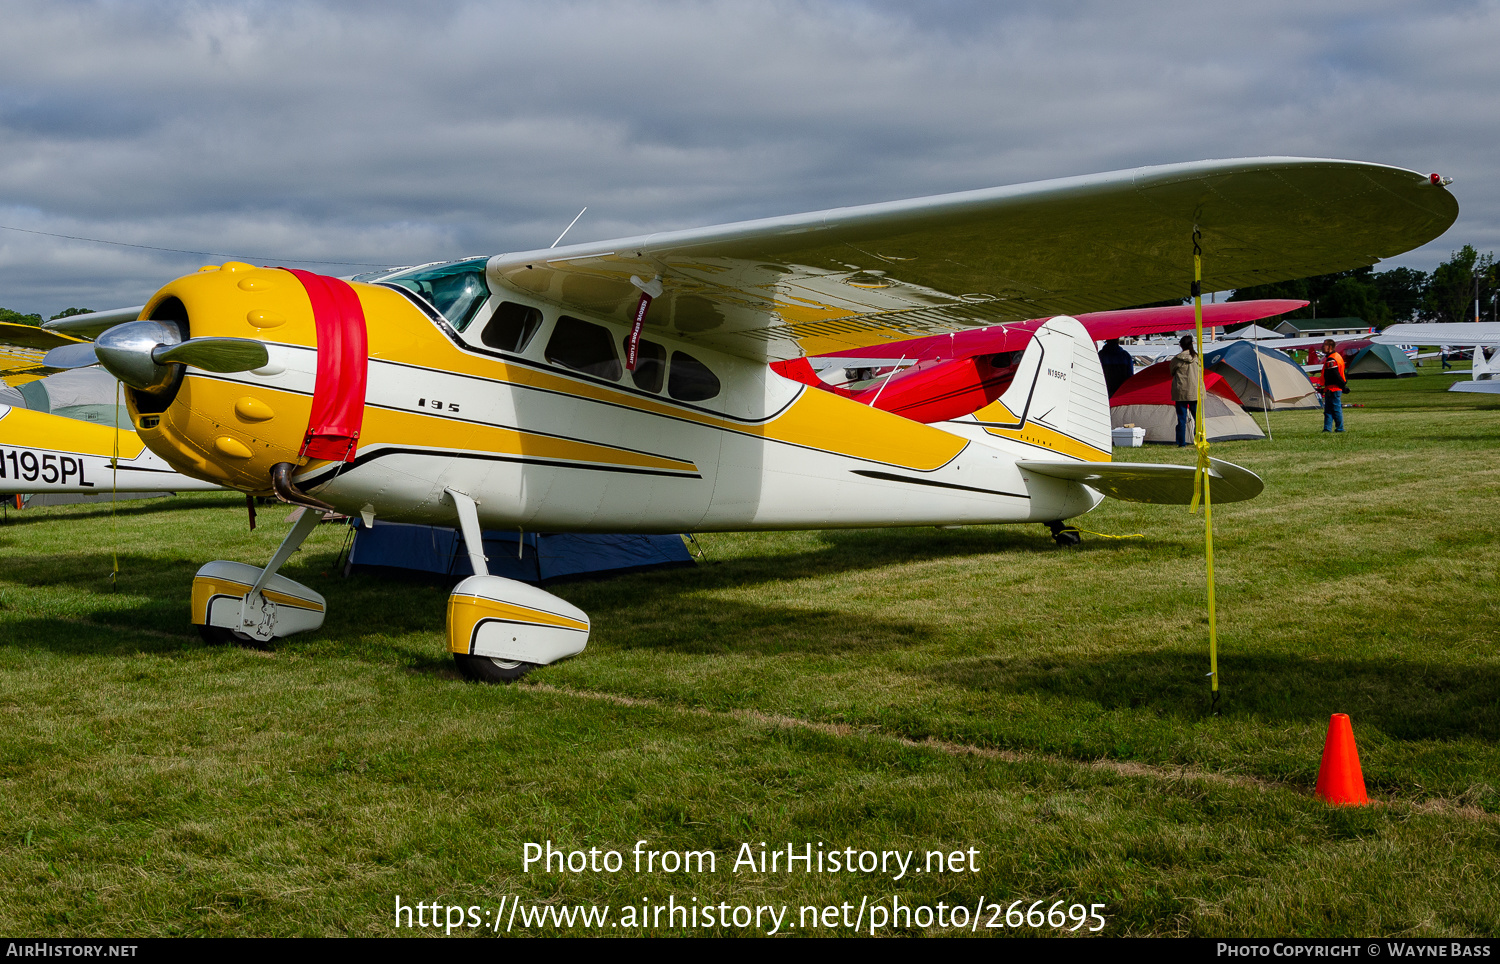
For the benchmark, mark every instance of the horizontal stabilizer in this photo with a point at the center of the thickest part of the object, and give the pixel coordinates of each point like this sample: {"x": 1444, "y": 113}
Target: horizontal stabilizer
{"x": 1152, "y": 482}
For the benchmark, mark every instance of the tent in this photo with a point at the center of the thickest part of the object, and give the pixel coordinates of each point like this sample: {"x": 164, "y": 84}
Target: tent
{"x": 1364, "y": 359}
{"x": 1262, "y": 377}
{"x": 1146, "y": 402}
{"x": 1251, "y": 331}
{"x": 533, "y": 557}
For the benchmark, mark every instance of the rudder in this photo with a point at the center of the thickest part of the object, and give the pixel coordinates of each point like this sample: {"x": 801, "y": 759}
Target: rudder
{"x": 1058, "y": 402}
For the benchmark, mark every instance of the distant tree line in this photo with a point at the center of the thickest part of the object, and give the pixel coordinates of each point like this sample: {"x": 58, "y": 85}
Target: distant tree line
{"x": 1400, "y": 294}
{"x": 15, "y": 317}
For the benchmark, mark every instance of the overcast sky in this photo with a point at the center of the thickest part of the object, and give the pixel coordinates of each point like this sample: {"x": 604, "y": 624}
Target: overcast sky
{"x": 394, "y": 133}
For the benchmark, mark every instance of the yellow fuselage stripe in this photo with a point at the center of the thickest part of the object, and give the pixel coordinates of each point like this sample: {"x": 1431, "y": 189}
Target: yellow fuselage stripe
{"x": 39, "y": 430}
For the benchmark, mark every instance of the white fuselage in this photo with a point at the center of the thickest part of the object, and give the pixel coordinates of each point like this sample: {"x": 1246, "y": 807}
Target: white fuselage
{"x": 543, "y": 448}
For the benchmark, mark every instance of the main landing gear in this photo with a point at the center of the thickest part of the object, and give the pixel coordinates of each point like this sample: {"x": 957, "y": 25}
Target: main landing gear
{"x": 236, "y": 603}
{"x": 498, "y": 629}
{"x": 1064, "y": 534}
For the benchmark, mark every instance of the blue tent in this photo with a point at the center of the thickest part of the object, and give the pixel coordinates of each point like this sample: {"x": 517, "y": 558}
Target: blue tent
{"x": 536, "y": 557}
{"x": 1262, "y": 377}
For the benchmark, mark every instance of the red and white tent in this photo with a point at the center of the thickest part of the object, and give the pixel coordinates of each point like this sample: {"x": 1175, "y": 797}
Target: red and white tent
{"x": 1145, "y": 401}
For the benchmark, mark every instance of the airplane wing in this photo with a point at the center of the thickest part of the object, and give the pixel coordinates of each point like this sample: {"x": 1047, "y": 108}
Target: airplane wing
{"x": 808, "y": 284}
{"x": 22, "y": 348}
{"x": 1100, "y": 325}
{"x": 1465, "y": 333}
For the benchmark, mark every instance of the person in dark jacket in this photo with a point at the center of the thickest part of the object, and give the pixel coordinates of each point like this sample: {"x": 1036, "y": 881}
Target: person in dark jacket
{"x": 1187, "y": 374}
{"x": 1117, "y": 364}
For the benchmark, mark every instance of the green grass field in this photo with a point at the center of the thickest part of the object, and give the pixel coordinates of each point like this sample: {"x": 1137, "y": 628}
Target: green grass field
{"x": 882, "y": 690}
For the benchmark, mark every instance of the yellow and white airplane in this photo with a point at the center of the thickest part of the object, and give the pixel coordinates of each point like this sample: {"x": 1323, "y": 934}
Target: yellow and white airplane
{"x": 630, "y": 385}
{"x": 40, "y": 452}
{"x": 68, "y": 431}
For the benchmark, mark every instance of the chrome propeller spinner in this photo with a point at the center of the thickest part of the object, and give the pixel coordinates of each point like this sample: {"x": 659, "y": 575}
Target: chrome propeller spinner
{"x": 142, "y": 354}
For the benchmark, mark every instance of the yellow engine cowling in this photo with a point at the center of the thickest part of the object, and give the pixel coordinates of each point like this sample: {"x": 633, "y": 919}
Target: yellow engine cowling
{"x": 220, "y": 429}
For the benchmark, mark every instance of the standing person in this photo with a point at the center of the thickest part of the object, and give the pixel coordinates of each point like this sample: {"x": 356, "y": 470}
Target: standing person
{"x": 1334, "y": 386}
{"x": 1117, "y": 364}
{"x": 1187, "y": 374}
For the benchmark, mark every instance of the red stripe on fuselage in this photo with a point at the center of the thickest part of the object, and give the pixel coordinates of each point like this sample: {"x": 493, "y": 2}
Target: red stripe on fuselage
{"x": 338, "y": 406}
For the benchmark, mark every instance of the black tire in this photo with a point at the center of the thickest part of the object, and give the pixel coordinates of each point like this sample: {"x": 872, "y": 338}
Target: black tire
{"x": 1064, "y": 534}
{"x": 219, "y": 636}
{"x": 487, "y": 669}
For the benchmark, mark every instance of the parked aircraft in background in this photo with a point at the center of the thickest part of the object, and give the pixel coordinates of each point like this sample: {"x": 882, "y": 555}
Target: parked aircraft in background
{"x": 954, "y": 375}
{"x": 635, "y": 385}
{"x": 58, "y": 432}
{"x": 1476, "y": 335}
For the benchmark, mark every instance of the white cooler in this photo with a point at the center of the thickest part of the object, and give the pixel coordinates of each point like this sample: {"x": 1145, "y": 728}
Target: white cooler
{"x": 1128, "y": 438}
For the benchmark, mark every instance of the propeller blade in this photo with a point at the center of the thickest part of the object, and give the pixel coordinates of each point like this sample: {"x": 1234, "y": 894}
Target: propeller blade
{"x": 215, "y": 354}
{"x": 94, "y": 323}
{"x": 71, "y": 356}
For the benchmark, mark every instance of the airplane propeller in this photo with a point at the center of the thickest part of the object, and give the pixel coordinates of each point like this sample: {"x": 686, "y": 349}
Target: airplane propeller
{"x": 138, "y": 353}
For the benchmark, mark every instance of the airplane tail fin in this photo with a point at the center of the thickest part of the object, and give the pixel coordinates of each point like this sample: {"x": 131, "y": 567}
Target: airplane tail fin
{"x": 1481, "y": 367}
{"x": 1058, "y": 402}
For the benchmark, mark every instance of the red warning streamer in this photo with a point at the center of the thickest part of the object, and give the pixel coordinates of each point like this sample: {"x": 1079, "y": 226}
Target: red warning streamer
{"x": 633, "y": 341}
{"x": 338, "y": 407}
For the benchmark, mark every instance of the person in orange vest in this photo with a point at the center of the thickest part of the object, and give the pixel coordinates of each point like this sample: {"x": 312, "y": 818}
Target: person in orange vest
{"x": 1334, "y": 386}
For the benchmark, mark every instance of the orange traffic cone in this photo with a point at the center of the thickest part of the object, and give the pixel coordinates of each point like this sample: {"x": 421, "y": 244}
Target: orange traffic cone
{"x": 1340, "y": 781}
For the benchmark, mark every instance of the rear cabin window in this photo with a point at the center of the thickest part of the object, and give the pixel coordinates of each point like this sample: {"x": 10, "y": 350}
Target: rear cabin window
{"x": 511, "y": 327}
{"x": 650, "y": 366}
{"x": 584, "y": 347}
{"x": 690, "y": 379}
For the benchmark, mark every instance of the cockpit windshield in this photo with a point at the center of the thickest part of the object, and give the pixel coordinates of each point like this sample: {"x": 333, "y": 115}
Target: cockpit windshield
{"x": 456, "y": 289}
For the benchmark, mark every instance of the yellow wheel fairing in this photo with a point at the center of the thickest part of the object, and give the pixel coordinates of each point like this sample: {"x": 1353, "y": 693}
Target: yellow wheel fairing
{"x": 207, "y": 588}
{"x": 491, "y": 616}
{"x": 465, "y": 613}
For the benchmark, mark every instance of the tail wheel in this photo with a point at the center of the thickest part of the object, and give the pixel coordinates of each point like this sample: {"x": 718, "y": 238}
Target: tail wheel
{"x": 1064, "y": 534}
{"x": 488, "y": 669}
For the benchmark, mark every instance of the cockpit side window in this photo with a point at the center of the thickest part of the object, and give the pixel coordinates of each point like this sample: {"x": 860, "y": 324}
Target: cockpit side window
{"x": 511, "y": 327}
{"x": 690, "y": 379}
{"x": 650, "y": 366}
{"x": 457, "y": 289}
{"x": 584, "y": 347}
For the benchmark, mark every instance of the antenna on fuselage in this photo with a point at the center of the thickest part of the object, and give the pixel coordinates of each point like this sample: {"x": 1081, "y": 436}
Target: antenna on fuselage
{"x": 569, "y": 227}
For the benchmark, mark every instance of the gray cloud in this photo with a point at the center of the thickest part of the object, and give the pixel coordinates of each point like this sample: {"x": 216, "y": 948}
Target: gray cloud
{"x": 388, "y": 133}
